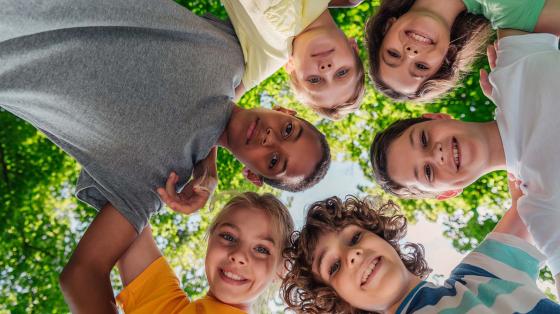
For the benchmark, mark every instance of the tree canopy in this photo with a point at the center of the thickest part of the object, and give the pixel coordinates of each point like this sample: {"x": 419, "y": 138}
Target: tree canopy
{"x": 41, "y": 221}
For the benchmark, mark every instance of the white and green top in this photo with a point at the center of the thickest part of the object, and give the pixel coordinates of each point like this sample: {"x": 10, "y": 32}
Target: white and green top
{"x": 518, "y": 14}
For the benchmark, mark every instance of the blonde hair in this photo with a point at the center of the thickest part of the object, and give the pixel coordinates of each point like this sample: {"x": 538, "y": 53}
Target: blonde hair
{"x": 268, "y": 203}
{"x": 338, "y": 111}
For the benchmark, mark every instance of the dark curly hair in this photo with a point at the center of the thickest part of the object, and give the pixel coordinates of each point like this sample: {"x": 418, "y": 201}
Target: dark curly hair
{"x": 379, "y": 164}
{"x": 301, "y": 290}
{"x": 470, "y": 34}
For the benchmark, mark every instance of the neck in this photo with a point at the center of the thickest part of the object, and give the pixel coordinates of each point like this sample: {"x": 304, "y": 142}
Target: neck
{"x": 223, "y": 140}
{"x": 413, "y": 282}
{"x": 497, "y": 158}
{"x": 246, "y": 307}
{"x": 447, "y": 10}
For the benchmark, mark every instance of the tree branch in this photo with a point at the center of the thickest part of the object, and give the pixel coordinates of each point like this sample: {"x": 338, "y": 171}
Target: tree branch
{"x": 4, "y": 167}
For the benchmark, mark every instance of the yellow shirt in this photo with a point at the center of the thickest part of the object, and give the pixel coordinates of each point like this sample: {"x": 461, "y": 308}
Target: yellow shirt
{"x": 266, "y": 29}
{"x": 157, "y": 290}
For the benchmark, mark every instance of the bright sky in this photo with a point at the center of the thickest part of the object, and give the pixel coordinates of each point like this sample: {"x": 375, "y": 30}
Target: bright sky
{"x": 342, "y": 179}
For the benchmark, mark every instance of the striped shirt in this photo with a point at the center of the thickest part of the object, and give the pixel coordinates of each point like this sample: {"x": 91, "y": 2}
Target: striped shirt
{"x": 497, "y": 277}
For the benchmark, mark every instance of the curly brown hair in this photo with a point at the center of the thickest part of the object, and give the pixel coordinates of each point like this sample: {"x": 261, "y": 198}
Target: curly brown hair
{"x": 301, "y": 290}
{"x": 469, "y": 34}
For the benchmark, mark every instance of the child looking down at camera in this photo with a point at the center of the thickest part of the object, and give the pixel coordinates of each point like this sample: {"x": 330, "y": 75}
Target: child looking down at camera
{"x": 348, "y": 258}
{"x": 324, "y": 66}
{"x": 243, "y": 257}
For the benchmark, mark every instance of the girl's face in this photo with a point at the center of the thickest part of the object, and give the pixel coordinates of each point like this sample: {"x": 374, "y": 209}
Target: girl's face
{"x": 413, "y": 49}
{"x": 243, "y": 256}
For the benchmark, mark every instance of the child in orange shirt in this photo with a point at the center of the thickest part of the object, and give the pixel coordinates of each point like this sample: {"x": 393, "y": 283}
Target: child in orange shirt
{"x": 244, "y": 255}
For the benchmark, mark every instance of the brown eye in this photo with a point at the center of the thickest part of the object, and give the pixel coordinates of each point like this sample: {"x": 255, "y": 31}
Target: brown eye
{"x": 423, "y": 139}
{"x": 422, "y": 66}
{"x": 273, "y": 161}
{"x": 428, "y": 171}
{"x": 393, "y": 53}
{"x": 334, "y": 268}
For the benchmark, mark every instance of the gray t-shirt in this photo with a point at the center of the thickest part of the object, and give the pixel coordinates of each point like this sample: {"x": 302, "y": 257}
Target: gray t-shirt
{"x": 133, "y": 89}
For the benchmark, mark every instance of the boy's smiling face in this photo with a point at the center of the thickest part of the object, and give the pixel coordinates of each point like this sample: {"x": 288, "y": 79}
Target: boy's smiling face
{"x": 363, "y": 268}
{"x": 439, "y": 156}
{"x": 274, "y": 143}
{"x": 243, "y": 256}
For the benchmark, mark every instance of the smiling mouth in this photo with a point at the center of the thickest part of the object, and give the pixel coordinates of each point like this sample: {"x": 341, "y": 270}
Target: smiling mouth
{"x": 232, "y": 278}
{"x": 251, "y": 131}
{"x": 419, "y": 38}
{"x": 370, "y": 271}
{"x": 456, "y": 153}
{"x": 322, "y": 53}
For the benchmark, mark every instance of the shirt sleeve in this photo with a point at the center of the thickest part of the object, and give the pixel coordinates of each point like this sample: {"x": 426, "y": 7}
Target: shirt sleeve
{"x": 513, "y": 48}
{"x": 507, "y": 257}
{"x": 543, "y": 219}
{"x": 155, "y": 290}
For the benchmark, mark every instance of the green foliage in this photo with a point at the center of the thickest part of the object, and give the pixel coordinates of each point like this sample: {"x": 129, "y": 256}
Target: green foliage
{"x": 40, "y": 222}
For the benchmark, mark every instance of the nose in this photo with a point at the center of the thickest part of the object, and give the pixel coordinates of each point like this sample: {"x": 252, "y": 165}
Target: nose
{"x": 437, "y": 154}
{"x": 238, "y": 257}
{"x": 325, "y": 65}
{"x": 269, "y": 137}
{"x": 411, "y": 50}
{"x": 355, "y": 257}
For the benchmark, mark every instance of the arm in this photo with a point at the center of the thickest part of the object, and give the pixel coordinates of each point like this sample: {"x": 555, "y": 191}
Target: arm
{"x": 511, "y": 223}
{"x": 344, "y": 3}
{"x": 199, "y": 189}
{"x": 548, "y": 20}
{"x": 138, "y": 256}
{"x": 84, "y": 281}
{"x": 239, "y": 91}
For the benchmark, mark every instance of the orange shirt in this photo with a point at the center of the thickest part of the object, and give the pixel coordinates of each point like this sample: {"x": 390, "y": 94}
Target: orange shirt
{"x": 157, "y": 290}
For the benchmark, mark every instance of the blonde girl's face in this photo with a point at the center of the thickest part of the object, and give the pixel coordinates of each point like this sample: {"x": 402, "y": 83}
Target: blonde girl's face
{"x": 243, "y": 256}
{"x": 412, "y": 50}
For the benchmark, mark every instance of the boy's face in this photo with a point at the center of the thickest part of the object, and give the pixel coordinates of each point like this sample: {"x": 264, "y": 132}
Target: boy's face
{"x": 412, "y": 50}
{"x": 243, "y": 256}
{"x": 324, "y": 64}
{"x": 363, "y": 269}
{"x": 274, "y": 144}
{"x": 439, "y": 155}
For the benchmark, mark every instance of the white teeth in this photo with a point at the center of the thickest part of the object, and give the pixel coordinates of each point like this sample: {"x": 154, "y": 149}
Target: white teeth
{"x": 455, "y": 154}
{"x": 232, "y": 276}
{"x": 368, "y": 271}
{"x": 419, "y": 38}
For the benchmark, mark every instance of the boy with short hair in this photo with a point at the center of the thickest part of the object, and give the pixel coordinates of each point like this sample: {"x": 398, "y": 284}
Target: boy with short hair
{"x": 348, "y": 258}
{"x": 324, "y": 66}
{"x": 135, "y": 90}
{"x": 438, "y": 157}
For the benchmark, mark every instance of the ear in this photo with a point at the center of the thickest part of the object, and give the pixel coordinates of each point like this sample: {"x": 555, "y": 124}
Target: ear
{"x": 388, "y": 25}
{"x": 285, "y": 110}
{"x": 353, "y": 44}
{"x": 437, "y": 116}
{"x": 252, "y": 177}
{"x": 289, "y": 66}
{"x": 448, "y": 194}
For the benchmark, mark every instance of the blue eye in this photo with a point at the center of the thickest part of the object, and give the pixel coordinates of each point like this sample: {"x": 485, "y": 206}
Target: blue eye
{"x": 342, "y": 72}
{"x": 356, "y": 238}
{"x": 262, "y": 250}
{"x": 273, "y": 161}
{"x": 314, "y": 79}
{"x": 228, "y": 237}
{"x": 334, "y": 268}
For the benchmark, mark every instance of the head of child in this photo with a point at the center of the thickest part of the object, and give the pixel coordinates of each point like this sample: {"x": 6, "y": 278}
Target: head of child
{"x": 415, "y": 55}
{"x": 245, "y": 243}
{"x": 433, "y": 156}
{"x": 326, "y": 71}
{"x": 348, "y": 259}
{"x": 277, "y": 148}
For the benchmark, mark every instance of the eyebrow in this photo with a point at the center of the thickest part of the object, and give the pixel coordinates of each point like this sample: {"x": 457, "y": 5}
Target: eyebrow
{"x": 411, "y": 138}
{"x": 320, "y": 261}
